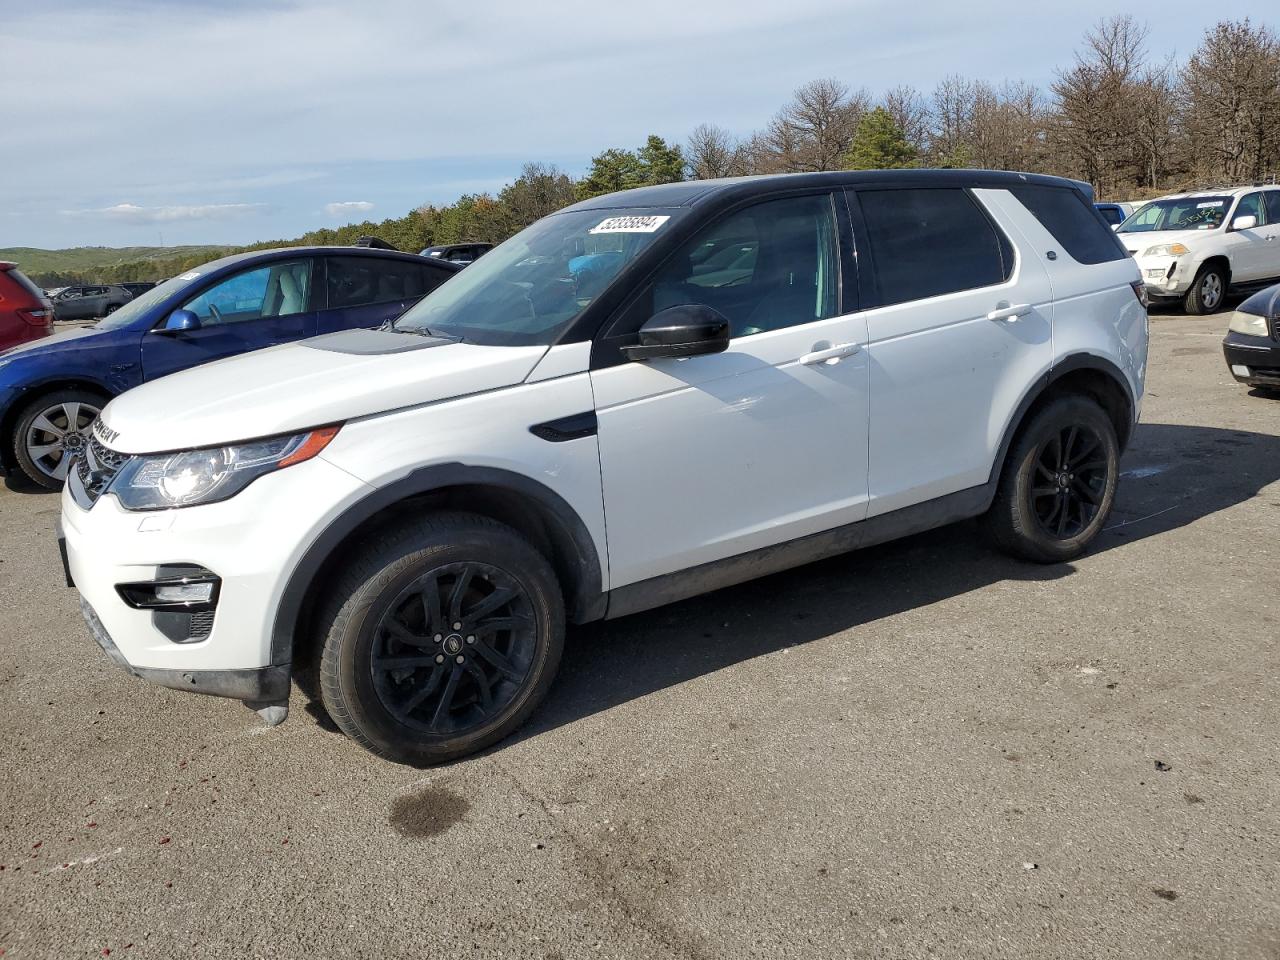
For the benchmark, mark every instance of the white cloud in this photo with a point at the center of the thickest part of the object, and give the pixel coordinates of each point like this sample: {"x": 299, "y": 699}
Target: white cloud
{"x": 343, "y": 208}
{"x": 133, "y": 213}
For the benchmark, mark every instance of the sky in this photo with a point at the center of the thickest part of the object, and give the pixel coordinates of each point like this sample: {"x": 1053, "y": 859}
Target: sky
{"x": 142, "y": 122}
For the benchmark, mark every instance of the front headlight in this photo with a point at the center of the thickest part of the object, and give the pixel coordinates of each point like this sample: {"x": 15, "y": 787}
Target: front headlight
{"x": 167, "y": 480}
{"x": 1165, "y": 250}
{"x": 1248, "y": 323}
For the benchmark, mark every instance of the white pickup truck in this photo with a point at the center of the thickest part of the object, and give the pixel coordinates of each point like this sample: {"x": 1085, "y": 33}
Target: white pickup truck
{"x": 1198, "y": 247}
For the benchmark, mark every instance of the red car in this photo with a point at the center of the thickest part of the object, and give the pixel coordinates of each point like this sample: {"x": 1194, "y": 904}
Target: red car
{"x": 25, "y": 312}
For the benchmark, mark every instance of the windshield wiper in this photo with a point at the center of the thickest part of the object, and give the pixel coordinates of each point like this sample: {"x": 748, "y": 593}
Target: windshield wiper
{"x": 389, "y": 326}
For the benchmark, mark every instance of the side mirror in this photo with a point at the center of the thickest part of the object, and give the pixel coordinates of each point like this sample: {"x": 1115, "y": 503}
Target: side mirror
{"x": 686, "y": 330}
{"x": 1247, "y": 222}
{"x": 180, "y": 321}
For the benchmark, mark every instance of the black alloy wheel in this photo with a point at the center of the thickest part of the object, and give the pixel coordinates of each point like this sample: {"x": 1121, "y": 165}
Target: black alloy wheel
{"x": 454, "y": 648}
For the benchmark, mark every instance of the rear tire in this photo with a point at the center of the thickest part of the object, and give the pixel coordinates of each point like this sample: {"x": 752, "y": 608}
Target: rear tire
{"x": 1058, "y": 483}
{"x": 1207, "y": 292}
{"x": 440, "y": 639}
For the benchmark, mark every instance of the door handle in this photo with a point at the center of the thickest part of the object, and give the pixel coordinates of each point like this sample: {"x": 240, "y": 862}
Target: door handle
{"x": 830, "y": 354}
{"x": 1009, "y": 313}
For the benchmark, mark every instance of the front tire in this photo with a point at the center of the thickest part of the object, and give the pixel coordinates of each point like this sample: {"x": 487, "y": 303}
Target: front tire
{"x": 442, "y": 637}
{"x": 1058, "y": 483}
{"x": 1208, "y": 291}
{"x": 51, "y": 431}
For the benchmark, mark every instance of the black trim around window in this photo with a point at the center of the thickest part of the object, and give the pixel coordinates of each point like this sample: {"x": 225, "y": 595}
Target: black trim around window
{"x": 609, "y": 336}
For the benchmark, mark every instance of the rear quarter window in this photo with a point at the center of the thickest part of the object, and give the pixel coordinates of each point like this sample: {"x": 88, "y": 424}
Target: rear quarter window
{"x": 1072, "y": 222}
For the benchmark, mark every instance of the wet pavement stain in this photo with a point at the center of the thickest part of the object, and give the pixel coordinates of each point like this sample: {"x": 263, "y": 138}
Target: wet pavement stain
{"x": 427, "y": 813}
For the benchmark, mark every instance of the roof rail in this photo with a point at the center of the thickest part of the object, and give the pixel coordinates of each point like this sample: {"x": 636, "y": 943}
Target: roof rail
{"x": 377, "y": 243}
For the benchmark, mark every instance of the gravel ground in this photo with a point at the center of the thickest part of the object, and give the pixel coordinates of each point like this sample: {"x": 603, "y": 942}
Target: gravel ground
{"x": 923, "y": 749}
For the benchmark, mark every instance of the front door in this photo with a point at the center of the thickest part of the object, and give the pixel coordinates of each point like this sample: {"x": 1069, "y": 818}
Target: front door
{"x": 1250, "y": 250}
{"x": 708, "y": 457}
{"x": 261, "y": 306}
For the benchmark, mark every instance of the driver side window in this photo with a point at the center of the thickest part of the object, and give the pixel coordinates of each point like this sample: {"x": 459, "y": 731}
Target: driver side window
{"x": 769, "y": 266}
{"x": 1251, "y": 206}
{"x": 273, "y": 290}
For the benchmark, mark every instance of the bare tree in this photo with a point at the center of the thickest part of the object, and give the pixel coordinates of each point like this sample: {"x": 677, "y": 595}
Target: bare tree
{"x": 952, "y": 120}
{"x": 813, "y": 131}
{"x": 711, "y": 152}
{"x": 1231, "y": 97}
{"x": 1094, "y": 101}
{"x": 911, "y": 114}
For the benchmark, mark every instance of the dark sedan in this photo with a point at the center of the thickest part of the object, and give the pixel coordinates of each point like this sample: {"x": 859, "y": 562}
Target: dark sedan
{"x": 1252, "y": 344}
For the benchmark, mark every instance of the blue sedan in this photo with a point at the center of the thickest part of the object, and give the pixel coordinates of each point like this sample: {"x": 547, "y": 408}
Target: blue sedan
{"x": 52, "y": 390}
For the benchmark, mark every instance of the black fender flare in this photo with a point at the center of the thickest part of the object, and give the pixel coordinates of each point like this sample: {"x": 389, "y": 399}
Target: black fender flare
{"x": 1060, "y": 369}
{"x": 586, "y": 598}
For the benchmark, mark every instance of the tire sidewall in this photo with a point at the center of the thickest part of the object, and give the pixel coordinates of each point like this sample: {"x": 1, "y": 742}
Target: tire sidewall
{"x": 365, "y": 609}
{"x": 1195, "y": 304}
{"x": 1058, "y": 416}
{"x": 18, "y": 441}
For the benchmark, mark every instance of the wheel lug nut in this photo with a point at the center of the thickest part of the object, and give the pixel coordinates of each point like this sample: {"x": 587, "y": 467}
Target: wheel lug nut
{"x": 461, "y": 658}
{"x": 439, "y": 658}
{"x": 439, "y": 637}
{"x": 471, "y": 639}
{"x": 457, "y": 626}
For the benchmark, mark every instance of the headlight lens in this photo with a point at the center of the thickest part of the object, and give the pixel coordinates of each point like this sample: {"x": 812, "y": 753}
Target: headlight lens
{"x": 193, "y": 477}
{"x": 1165, "y": 250}
{"x": 1248, "y": 323}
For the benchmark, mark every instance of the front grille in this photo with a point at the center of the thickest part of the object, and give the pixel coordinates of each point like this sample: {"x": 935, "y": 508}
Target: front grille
{"x": 97, "y": 467}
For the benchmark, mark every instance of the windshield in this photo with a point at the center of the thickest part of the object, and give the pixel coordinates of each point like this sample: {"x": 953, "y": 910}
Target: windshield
{"x": 1187, "y": 213}
{"x": 530, "y": 288}
{"x": 140, "y": 304}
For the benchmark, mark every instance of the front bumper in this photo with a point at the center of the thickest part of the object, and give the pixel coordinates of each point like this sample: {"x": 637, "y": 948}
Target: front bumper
{"x": 1254, "y": 361}
{"x": 1165, "y": 277}
{"x": 262, "y": 685}
{"x": 252, "y": 542}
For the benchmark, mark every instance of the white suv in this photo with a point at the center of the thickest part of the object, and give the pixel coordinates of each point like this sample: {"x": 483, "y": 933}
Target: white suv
{"x": 642, "y": 397}
{"x": 1197, "y": 247}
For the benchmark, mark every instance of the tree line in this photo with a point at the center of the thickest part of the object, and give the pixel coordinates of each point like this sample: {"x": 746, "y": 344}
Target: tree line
{"x": 1133, "y": 124}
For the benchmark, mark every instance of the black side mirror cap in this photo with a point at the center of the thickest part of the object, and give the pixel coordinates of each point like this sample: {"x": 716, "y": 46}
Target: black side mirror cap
{"x": 685, "y": 330}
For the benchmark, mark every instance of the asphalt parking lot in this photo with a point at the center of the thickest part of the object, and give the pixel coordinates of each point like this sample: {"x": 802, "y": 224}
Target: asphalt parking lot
{"x": 924, "y": 749}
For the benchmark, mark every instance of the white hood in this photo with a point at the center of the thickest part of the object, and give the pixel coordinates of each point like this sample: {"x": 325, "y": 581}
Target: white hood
{"x": 296, "y": 386}
{"x": 1135, "y": 243}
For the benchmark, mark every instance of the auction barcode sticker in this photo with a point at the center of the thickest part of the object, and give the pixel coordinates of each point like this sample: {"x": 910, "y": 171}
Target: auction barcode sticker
{"x": 629, "y": 225}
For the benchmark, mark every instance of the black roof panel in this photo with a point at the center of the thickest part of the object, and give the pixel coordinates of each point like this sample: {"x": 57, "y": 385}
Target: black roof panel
{"x": 692, "y": 192}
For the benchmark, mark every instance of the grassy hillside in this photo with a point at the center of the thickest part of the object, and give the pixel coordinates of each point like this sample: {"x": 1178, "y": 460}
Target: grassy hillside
{"x": 56, "y": 267}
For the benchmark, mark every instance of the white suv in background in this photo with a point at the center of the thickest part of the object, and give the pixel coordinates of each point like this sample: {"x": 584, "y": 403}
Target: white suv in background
{"x": 643, "y": 397}
{"x": 1197, "y": 247}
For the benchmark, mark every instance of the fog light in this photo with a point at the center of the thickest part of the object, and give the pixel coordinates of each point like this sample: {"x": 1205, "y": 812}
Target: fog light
{"x": 185, "y": 588}
{"x": 1239, "y": 369}
{"x": 184, "y": 592}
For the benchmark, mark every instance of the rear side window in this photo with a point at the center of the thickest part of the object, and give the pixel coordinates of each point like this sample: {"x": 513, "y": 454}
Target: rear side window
{"x": 1273, "y": 206}
{"x": 22, "y": 280}
{"x": 1072, "y": 222}
{"x": 357, "y": 281}
{"x": 929, "y": 242}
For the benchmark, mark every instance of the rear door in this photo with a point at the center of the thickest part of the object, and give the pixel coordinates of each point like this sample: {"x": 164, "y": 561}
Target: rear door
{"x": 259, "y": 306}
{"x": 961, "y": 324}
{"x": 367, "y": 291}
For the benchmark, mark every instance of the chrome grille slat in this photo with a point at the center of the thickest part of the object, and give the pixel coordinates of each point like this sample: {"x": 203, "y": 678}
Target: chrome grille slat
{"x": 97, "y": 468}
